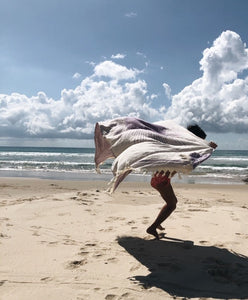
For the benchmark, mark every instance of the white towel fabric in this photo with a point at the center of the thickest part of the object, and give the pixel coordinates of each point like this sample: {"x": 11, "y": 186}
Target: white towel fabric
{"x": 140, "y": 146}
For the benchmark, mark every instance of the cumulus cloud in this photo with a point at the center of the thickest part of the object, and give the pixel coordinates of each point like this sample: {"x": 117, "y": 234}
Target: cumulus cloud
{"x": 118, "y": 56}
{"x": 154, "y": 96}
{"x": 91, "y": 63}
{"x": 219, "y": 99}
{"x": 76, "y": 75}
{"x": 112, "y": 91}
{"x": 167, "y": 89}
{"x": 131, "y": 14}
{"x": 115, "y": 71}
{"x": 141, "y": 54}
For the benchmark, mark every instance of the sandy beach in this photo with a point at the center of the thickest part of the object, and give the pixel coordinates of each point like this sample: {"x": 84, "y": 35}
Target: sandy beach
{"x": 72, "y": 240}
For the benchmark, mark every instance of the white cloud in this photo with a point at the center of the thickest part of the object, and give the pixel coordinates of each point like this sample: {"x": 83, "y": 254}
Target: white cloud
{"x": 76, "y": 75}
{"x": 219, "y": 99}
{"x": 167, "y": 90}
{"x": 118, "y": 56}
{"x": 131, "y": 14}
{"x": 91, "y": 63}
{"x": 76, "y": 112}
{"x": 115, "y": 71}
{"x": 141, "y": 54}
{"x": 154, "y": 96}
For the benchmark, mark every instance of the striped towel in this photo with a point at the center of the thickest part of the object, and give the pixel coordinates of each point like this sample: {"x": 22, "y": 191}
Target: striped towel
{"x": 140, "y": 146}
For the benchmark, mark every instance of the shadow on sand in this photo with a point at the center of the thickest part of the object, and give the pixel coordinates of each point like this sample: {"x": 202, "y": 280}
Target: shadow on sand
{"x": 182, "y": 269}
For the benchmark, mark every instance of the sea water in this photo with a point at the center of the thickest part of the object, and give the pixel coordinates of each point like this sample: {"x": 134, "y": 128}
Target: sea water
{"x": 224, "y": 166}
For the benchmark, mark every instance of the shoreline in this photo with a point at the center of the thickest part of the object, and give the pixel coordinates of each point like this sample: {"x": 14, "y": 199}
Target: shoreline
{"x": 41, "y": 185}
{"x": 107, "y": 176}
{"x": 67, "y": 239}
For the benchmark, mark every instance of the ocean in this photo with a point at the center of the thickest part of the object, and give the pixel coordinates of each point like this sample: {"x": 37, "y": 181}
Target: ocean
{"x": 224, "y": 166}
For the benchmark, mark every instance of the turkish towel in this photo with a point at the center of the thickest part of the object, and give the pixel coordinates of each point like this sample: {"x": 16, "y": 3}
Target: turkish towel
{"x": 140, "y": 146}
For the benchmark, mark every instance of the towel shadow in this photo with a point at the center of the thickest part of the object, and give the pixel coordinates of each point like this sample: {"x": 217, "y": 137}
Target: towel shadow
{"x": 184, "y": 270}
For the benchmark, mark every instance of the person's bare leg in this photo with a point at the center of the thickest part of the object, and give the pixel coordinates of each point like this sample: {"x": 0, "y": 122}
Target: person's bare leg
{"x": 167, "y": 193}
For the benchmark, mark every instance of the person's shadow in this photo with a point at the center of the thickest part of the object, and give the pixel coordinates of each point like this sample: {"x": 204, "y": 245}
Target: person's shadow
{"x": 182, "y": 269}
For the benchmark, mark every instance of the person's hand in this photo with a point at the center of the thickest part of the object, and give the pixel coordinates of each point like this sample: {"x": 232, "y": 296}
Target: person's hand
{"x": 160, "y": 179}
{"x": 213, "y": 145}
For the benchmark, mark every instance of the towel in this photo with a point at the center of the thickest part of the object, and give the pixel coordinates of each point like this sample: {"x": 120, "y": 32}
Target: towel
{"x": 137, "y": 145}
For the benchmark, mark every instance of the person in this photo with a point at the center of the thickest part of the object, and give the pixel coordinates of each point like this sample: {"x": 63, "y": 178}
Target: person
{"x": 162, "y": 183}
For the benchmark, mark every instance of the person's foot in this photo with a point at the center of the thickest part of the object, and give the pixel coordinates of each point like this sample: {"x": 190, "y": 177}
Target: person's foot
{"x": 160, "y": 227}
{"x": 151, "y": 230}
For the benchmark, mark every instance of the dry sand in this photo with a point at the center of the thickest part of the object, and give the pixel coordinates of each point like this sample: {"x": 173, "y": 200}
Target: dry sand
{"x": 71, "y": 240}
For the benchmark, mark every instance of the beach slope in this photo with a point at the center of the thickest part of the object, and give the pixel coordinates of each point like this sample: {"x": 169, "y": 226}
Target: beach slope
{"x": 72, "y": 240}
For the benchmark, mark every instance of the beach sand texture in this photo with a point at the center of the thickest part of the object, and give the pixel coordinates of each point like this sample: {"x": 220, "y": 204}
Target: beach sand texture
{"x": 72, "y": 240}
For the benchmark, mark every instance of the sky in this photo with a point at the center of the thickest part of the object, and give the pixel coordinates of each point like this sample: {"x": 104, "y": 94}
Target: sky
{"x": 65, "y": 65}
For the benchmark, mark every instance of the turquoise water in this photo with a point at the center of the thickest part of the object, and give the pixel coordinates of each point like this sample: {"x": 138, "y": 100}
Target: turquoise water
{"x": 78, "y": 163}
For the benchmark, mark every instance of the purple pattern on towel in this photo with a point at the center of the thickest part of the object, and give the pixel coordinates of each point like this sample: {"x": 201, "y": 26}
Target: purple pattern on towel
{"x": 139, "y": 145}
{"x": 134, "y": 123}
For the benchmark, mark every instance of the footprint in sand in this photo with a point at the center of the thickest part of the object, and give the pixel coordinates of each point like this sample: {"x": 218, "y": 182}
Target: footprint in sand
{"x": 53, "y": 184}
{"x": 112, "y": 260}
{"x": 219, "y": 245}
{"x": 83, "y": 253}
{"x": 4, "y": 219}
{"x": 2, "y": 282}
{"x": 83, "y": 201}
{"x": 97, "y": 255}
{"x": 185, "y": 217}
{"x": 186, "y": 226}
{"x": 85, "y": 296}
{"x": 52, "y": 243}
{"x": 224, "y": 201}
{"x": 203, "y": 242}
{"x": 36, "y": 233}
{"x": 145, "y": 220}
{"x": 69, "y": 242}
{"x": 111, "y": 219}
{"x": 107, "y": 229}
{"x": 90, "y": 244}
{"x": 4, "y": 236}
{"x": 110, "y": 297}
{"x": 197, "y": 209}
{"x": 135, "y": 267}
{"x": 125, "y": 295}
{"x": 243, "y": 235}
{"x": 76, "y": 264}
{"x": 36, "y": 227}
{"x": 82, "y": 194}
{"x": 130, "y": 222}
{"x": 46, "y": 279}
{"x": 64, "y": 214}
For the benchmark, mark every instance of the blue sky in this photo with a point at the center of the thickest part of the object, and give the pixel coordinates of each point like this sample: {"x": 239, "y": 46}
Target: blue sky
{"x": 64, "y": 59}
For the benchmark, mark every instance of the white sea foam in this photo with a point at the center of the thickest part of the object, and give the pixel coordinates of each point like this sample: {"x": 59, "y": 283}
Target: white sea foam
{"x": 223, "y": 165}
{"x": 41, "y": 154}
